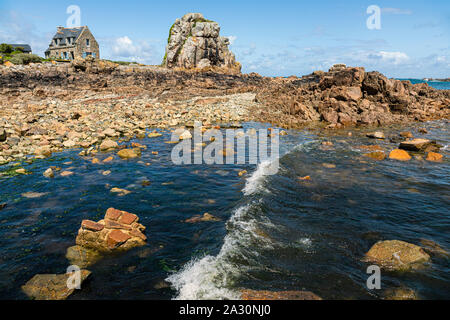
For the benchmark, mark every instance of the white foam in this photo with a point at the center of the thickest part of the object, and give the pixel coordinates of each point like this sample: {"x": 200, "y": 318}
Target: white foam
{"x": 213, "y": 277}
{"x": 256, "y": 180}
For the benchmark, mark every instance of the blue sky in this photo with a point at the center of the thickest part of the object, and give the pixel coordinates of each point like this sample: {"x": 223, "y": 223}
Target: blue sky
{"x": 269, "y": 37}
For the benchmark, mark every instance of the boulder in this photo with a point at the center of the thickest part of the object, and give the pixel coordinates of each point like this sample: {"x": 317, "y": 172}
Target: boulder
{"x": 129, "y": 153}
{"x": 376, "y": 135}
{"x": 278, "y": 295}
{"x": 118, "y": 231}
{"x": 396, "y": 255}
{"x": 416, "y": 144}
{"x": 194, "y": 42}
{"x": 207, "y": 217}
{"x": 434, "y": 157}
{"x": 49, "y": 173}
{"x": 51, "y": 286}
{"x": 82, "y": 257}
{"x": 398, "y": 154}
{"x": 108, "y": 144}
{"x": 3, "y": 135}
{"x": 376, "y": 155}
{"x": 400, "y": 294}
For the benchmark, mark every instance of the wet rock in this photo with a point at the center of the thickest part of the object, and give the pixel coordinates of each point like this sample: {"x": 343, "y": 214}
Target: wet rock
{"x": 120, "y": 231}
{"x": 109, "y": 159}
{"x": 2, "y": 206}
{"x": 108, "y": 145}
{"x": 82, "y": 257}
{"x": 376, "y": 135}
{"x": 95, "y": 161}
{"x": 241, "y": 173}
{"x": 205, "y": 218}
{"x": 49, "y": 173}
{"x": 396, "y": 255}
{"x": 106, "y": 173}
{"x": 371, "y": 148}
{"x": 121, "y": 192}
{"x": 377, "y": 155}
{"x": 329, "y": 165}
{"x": 434, "y": 249}
{"x": 3, "y": 135}
{"x": 434, "y": 157}
{"x": 154, "y": 135}
{"x": 398, "y": 154}
{"x": 416, "y": 144}
{"x": 247, "y": 294}
{"x": 66, "y": 173}
{"x": 400, "y": 294}
{"x": 423, "y": 130}
{"x": 51, "y": 286}
{"x": 305, "y": 178}
{"x": 129, "y": 153}
{"x": 34, "y": 195}
{"x": 406, "y": 134}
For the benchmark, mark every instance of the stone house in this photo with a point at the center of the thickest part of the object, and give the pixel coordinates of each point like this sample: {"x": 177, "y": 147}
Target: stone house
{"x": 72, "y": 43}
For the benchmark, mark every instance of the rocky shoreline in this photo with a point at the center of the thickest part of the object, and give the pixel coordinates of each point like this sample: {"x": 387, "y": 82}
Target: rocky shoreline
{"x": 47, "y": 108}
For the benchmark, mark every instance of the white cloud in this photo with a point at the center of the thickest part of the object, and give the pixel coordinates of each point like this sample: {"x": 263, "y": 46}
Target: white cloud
{"x": 232, "y": 39}
{"x": 396, "y": 11}
{"x": 123, "y": 48}
{"x": 390, "y": 57}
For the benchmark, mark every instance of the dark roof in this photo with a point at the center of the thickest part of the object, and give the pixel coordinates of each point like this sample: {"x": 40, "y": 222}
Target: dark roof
{"x": 26, "y": 47}
{"x": 64, "y": 33}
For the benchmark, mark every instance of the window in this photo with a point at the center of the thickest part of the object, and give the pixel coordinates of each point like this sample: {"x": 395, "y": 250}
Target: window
{"x": 87, "y": 42}
{"x": 94, "y": 55}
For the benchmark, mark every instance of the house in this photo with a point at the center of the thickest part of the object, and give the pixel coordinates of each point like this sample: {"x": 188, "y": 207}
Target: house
{"x": 72, "y": 43}
{"x": 25, "y": 48}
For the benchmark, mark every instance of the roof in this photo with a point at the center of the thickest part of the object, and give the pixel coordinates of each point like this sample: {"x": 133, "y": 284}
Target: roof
{"x": 64, "y": 33}
{"x": 25, "y": 47}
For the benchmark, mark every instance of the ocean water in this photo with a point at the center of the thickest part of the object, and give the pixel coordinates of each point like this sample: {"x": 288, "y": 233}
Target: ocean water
{"x": 276, "y": 232}
{"x": 440, "y": 85}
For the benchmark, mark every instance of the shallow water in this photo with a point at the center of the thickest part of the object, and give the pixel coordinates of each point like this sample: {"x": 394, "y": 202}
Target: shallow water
{"x": 276, "y": 233}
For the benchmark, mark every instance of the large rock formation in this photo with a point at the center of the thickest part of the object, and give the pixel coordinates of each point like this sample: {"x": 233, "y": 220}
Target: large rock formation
{"x": 194, "y": 42}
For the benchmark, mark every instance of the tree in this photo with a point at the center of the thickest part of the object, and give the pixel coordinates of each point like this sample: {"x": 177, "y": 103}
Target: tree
{"x": 6, "y": 48}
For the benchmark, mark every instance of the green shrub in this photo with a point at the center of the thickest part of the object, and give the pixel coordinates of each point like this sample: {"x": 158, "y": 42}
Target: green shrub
{"x": 24, "y": 58}
{"x": 6, "y": 48}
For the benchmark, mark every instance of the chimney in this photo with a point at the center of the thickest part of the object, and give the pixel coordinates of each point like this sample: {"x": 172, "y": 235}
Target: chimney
{"x": 59, "y": 28}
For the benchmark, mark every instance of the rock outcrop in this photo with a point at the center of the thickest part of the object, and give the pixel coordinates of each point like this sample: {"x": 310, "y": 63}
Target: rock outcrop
{"x": 118, "y": 231}
{"x": 347, "y": 96}
{"x": 51, "y": 286}
{"x": 397, "y": 255}
{"x": 194, "y": 42}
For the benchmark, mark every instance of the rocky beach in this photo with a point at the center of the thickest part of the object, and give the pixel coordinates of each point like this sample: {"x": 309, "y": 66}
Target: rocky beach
{"x": 87, "y": 180}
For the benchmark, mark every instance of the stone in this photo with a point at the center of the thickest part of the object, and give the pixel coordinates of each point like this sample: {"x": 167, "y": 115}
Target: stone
{"x": 95, "y": 161}
{"x": 400, "y": 294}
{"x": 49, "y": 173}
{"x": 110, "y": 132}
{"x": 433, "y": 249}
{"x": 117, "y": 234}
{"x": 247, "y": 294}
{"x": 205, "y": 218}
{"x": 329, "y": 165}
{"x": 376, "y": 135}
{"x": 243, "y": 172}
{"x": 121, "y": 192}
{"x": 377, "y": 155}
{"x": 34, "y": 195}
{"x": 400, "y": 155}
{"x": 154, "y": 135}
{"x": 434, "y": 157}
{"x": 51, "y": 286}
{"x": 108, "y": 145}
{"x": 305, "y": 178}
{"x": 109, "y": 159}
{"x": 406, "y": 134}
{"x": 186, "y": 135}
{"x": 128, "y": 154}
{"x": 423, "y": 130}
{"x": 116, "y": 238}
{"x": 66, "y": 173}
{"x": 3, "y": 135}
{"x": 396, "y": 255}
{"x": 106, "y": 173}
{"x": 91, "y": 225}
{"x": 194, "y": 42}
{"x": 3, "y": 206}
{"x": 82, "y": 257}
{"x": 127, "y": 218}
{"x": 416, "y": 144}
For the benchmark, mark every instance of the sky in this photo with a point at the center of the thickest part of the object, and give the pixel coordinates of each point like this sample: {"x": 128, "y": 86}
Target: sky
{"x": 272, "y": 38}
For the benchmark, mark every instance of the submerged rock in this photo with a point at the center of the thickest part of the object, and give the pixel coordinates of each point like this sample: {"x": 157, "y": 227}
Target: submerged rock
{"x": 376, "y": 135}
{"x": 377, "y": 155}
{"x": 118, "y": 231}
{"x": 417, "y": 144}
{"x": 280, "y": 295}
{"x": 129, "y": 153}
{"x": 82, "y": 257}
{"x": 398, "y": 154}
{"x": 401, "y": 294}
{"x": 49, "y": 173}
{"x": 434, "y": 157}
{"x": 205, "y": 218}
{"x": 396, "y": 255}
{"x": 51, "y": 286}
